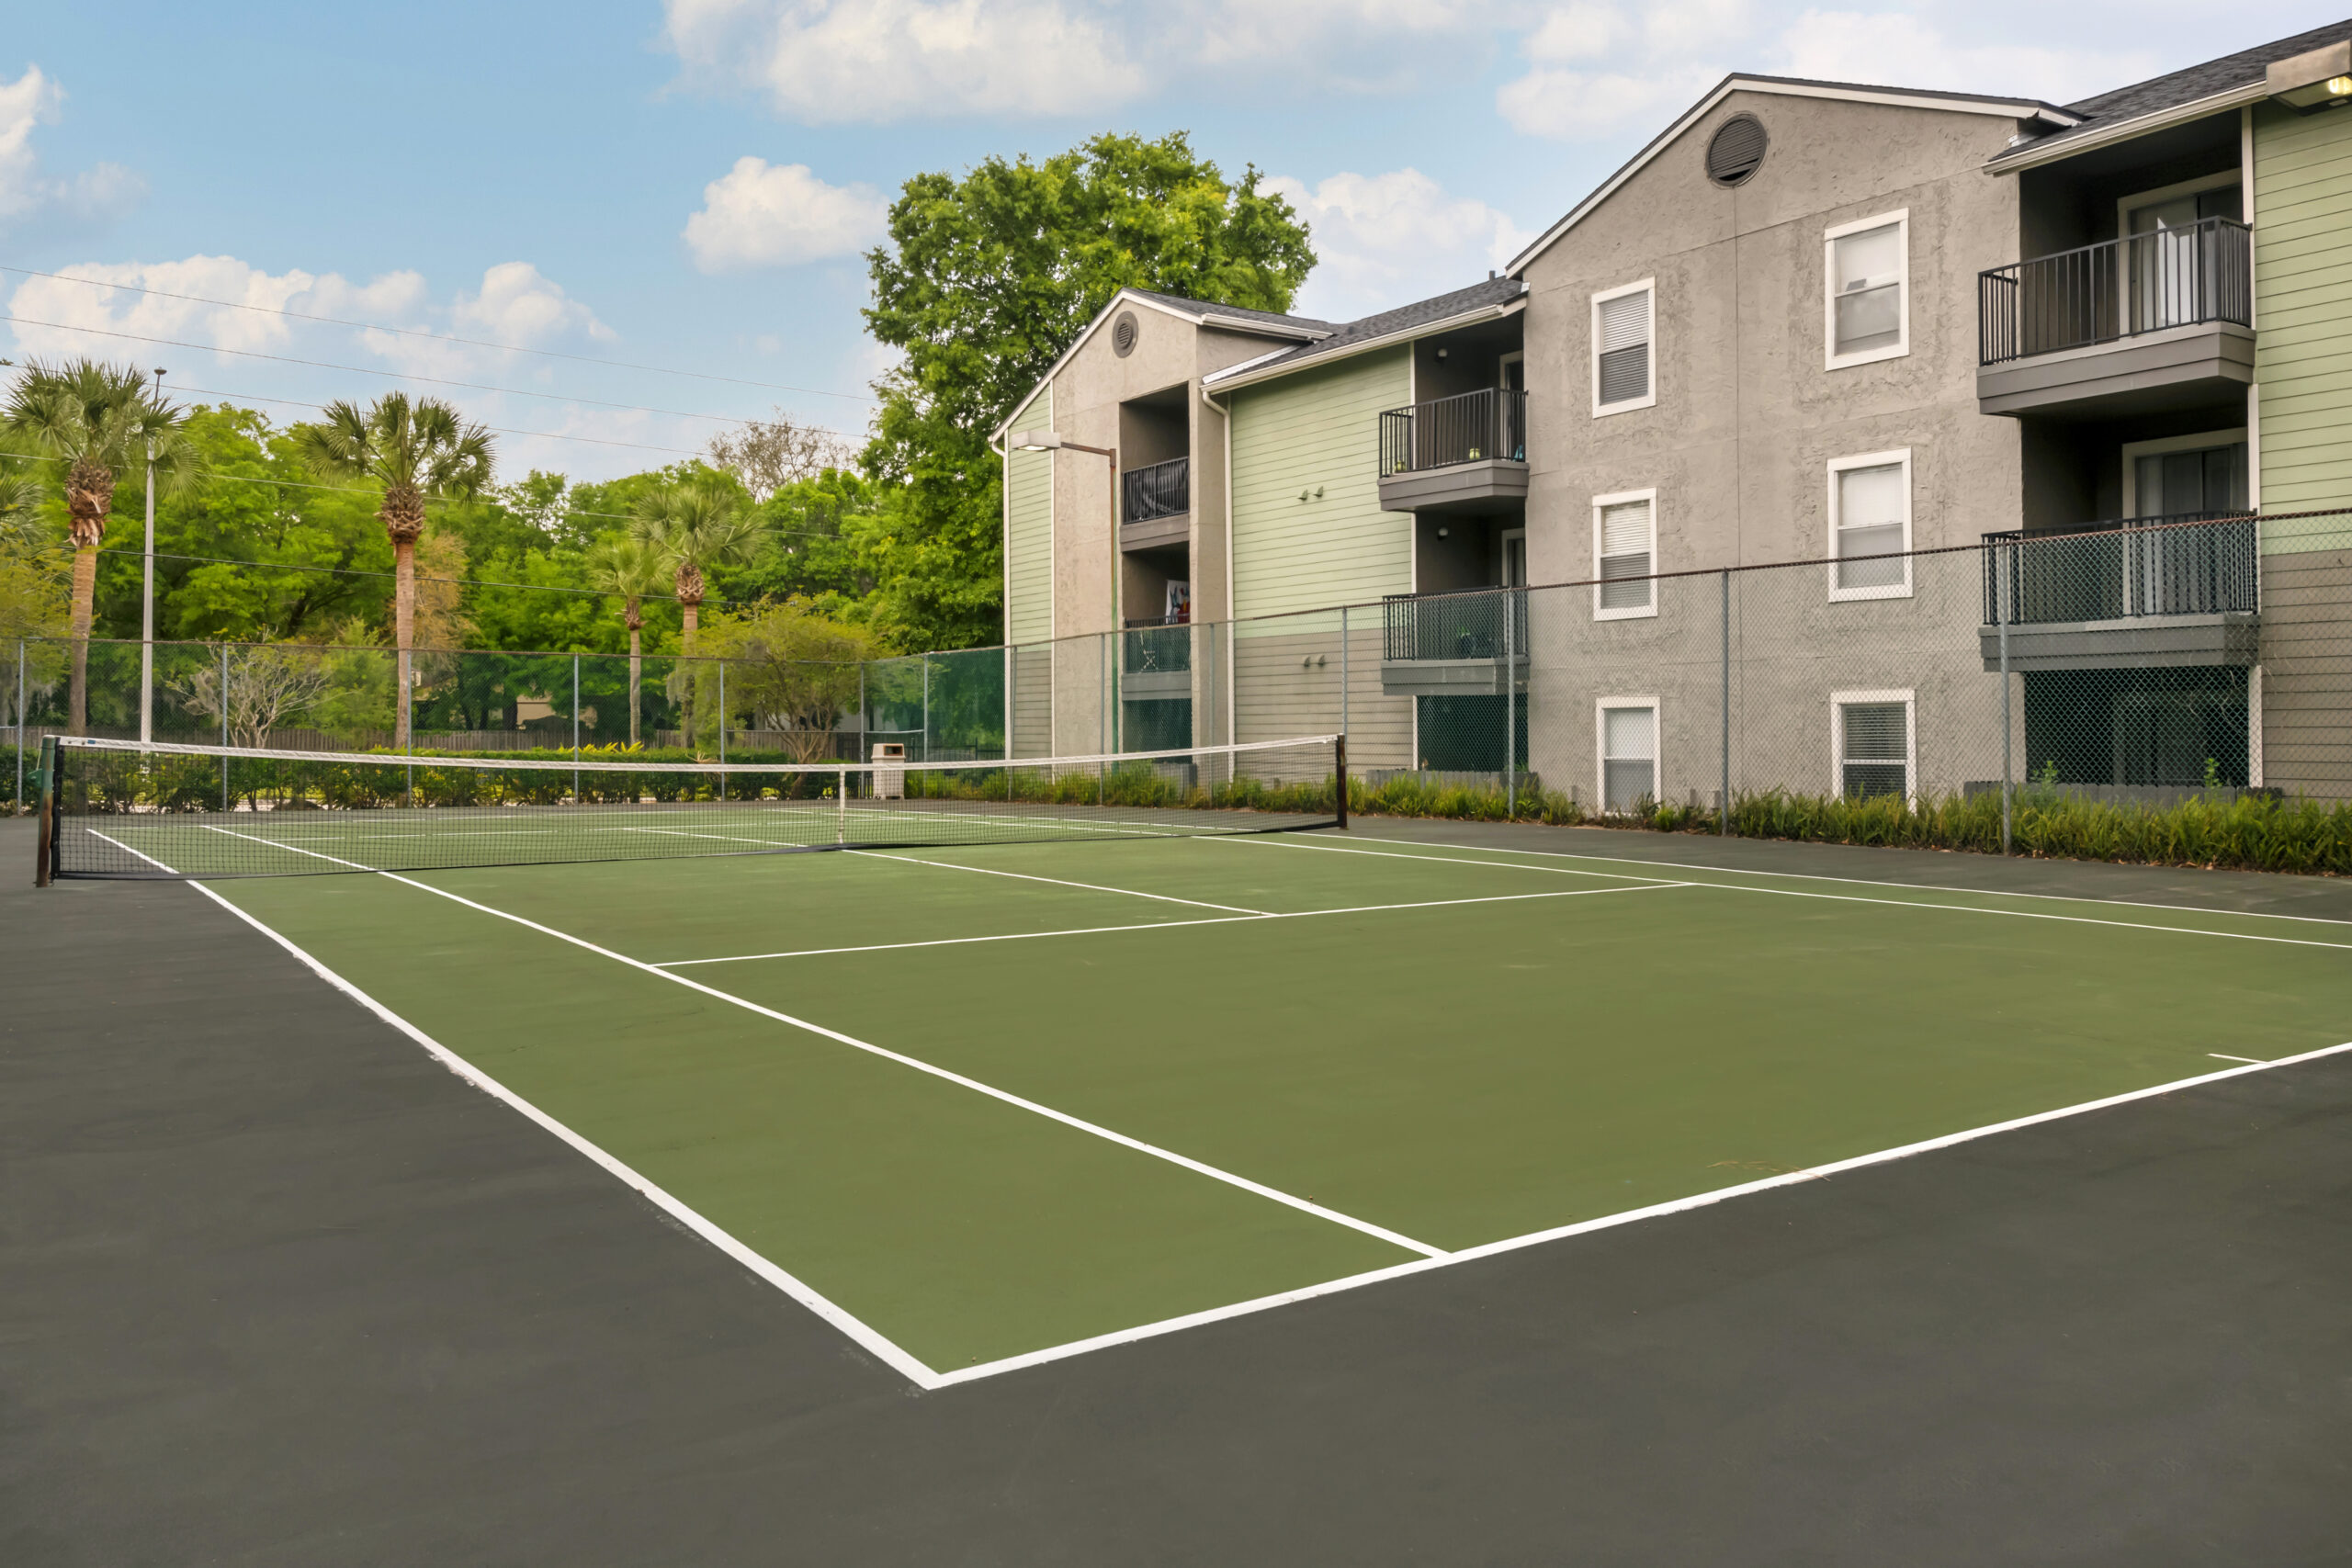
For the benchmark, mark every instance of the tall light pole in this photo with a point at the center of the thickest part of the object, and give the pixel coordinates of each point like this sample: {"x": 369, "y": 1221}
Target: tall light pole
{"x": 1047, "y": 441}
{"x": 147, "y": 598}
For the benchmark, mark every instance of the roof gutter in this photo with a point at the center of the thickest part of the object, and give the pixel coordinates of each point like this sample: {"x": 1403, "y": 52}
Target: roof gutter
{"x": 2034, "y": 154}
{"x": 1244, "y": 375}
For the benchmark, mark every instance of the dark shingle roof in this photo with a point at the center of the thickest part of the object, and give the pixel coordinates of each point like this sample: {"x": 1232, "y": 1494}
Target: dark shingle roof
{"x": 2172, "y": 90}
{"x": 1405, "y": 318}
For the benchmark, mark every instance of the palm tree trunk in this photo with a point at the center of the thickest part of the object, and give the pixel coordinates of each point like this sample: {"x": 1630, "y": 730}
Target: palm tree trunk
{"x": 85, "y": 584}
{"x": 404, "y": 630}
{"x": 635, "y": 665}
{"x": 689, "y": 583}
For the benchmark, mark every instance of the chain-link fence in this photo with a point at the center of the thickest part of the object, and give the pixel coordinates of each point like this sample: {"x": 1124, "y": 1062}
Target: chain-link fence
{"x": 2140, "y": 668}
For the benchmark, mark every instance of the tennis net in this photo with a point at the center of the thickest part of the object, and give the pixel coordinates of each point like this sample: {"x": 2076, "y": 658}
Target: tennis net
{"x": 115, "y": 808}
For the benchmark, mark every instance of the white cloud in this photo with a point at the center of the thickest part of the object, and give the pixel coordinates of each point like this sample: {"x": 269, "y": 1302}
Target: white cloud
{"x": 1581, "y": 31}
{"x": 1893, "y": 48}
{"x": 1384, "y": 240}
{"x": 829, "y": 62}
{"x": 97, "y": 193}
{"x": 759, "y": 214}
{"x": 1549, "y": 101}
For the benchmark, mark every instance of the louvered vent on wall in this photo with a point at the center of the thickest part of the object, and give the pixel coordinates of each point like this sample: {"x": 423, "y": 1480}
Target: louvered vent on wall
{"x": 1123, "y": 334}
{"x": 1737, "y": 149}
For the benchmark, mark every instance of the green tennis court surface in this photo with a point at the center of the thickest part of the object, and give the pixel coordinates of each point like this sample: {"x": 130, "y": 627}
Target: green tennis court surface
{"x": 990, "y": 1103}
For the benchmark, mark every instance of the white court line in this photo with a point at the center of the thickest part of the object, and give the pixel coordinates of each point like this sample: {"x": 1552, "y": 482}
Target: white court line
{"x": 901, "y": 1361}
{"x": 1169, "y": 925}
{"x": 1059, "y": 882}
{"x": 1198, "y": 1168}
{"x": 1836, "y": 897}
{"x": 917, "y": 1372}
{"x": 2225, "y": 1056}
{"x": 1874, "y": 882}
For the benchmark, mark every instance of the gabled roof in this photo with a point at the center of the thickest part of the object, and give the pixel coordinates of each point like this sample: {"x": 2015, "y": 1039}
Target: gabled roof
{"x": 1199, "y": 312}
{"x": 2030, "y": 109}
{"x": 2169, "y": 99}
{"x": 1495, "y": 296}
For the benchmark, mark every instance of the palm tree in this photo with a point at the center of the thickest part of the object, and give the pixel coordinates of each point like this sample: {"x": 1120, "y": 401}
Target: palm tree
{"x": 630, "y": 568}
{"x": 692, "y": 524}
{"x": 100, "y": 421}
{"x": 416, "y": 451}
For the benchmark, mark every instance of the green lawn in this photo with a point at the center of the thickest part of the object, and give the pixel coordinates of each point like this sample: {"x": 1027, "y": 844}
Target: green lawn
{"x": 1459, "y": 1074}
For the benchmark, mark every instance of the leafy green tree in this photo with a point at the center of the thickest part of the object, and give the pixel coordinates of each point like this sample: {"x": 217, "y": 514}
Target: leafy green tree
{"x": 414, "y": 451}
{"x": 984, "y": 281}
{"x": 94, "y": 423}
{"x": 788, "y": 668}
{"x": 816, "y": 533}
{"x": 629, "y": 569}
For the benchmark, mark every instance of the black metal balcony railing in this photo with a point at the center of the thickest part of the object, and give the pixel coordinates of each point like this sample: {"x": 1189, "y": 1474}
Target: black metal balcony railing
{"x": 2183, "y": 565}
{"x": 1453, "y": 625}
{"x": 1163, "y": 489}
{"x": 1470, "y": 428}
{"x": 1156, "y": 648}
{"x": 2141, "y": 283}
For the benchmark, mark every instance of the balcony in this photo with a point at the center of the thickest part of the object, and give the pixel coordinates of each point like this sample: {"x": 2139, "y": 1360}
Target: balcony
{"x": 1156, "y": 505}
{"x": 2151, "y": 592}
{"x": 1155, "y": 661}
{"x": 1466, "y": 454}
{"x": 1468, "y": 643}
{"x": 2136, "y": 325}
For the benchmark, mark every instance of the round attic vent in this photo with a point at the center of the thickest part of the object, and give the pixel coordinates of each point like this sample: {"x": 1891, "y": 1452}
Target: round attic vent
{"x": 1735, "y": 150}
{"x": 1123, "y": 334}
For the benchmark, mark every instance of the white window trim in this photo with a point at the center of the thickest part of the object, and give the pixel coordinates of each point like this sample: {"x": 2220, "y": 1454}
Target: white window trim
{"x": 1619, "y": 498}
{"x": 1502, "y": 373}
{"x": 2124, "y": 204}
{"x": 2134, "y": 450}
{"x": 1599, "y": 409}
{"x": 1838, "y": 703}
{"x": 1901, "y": 455}
{"x": 1831, "y": 358}
{"x": 1600, "y": 746}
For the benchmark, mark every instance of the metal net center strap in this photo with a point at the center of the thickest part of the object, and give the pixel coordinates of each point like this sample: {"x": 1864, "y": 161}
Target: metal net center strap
{"x": 119, "y": 809}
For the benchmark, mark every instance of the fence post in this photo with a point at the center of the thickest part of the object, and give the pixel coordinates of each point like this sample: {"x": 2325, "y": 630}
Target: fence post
{"x": 926, "y": 707}
{"x": 2001, "y": 610}
{"x": 20, "y": 724}
{"x": 1510, "y": 709}
{"x": 862, "y": 747}
{"x": 1343, "y": 670}
{"x": 723, "y": 729}
{"x": 1102, "y": 717}
{"x": 224, "y": 726}
{"x": 1723, "y": 802}
{"x": 575, "y": 729}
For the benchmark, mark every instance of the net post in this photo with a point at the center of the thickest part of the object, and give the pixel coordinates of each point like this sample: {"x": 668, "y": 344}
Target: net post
{"x": 1339, "y": 772}
{"x": 45, "y": 862}
{"x": 841, "y": 798}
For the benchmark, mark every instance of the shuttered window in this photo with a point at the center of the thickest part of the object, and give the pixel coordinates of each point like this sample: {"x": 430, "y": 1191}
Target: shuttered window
{"x": 1627, "y": 541}
{"x": 1866, "y": 264}
{"x": 1621, "y": 347}
{"x": 1628, "y": 757}
{"x": 1874, "y": 747}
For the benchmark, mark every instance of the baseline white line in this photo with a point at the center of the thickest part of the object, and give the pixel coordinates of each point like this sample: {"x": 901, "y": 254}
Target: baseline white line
{"x": 897, "y": 1357}
{"x": 1609, "y": 1222}
{"x": 1848, "y": 897}
{"x": 1198, "y": 1168}
{"x": 1875, "y": 882}
{"x": 1169, "y": 925}
{"x": 2225, "y": 1056}
{"x": 1059, "y": 882}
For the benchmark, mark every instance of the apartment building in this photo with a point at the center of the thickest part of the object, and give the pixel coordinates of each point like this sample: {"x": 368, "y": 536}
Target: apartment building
{"x": 2009, "y": 374}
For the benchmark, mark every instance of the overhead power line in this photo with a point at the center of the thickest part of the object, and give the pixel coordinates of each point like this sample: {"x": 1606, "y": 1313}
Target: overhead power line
{"x": 500, "y": 429}
{"x": 437, "y": 337}
{"x": 402, "y": 375}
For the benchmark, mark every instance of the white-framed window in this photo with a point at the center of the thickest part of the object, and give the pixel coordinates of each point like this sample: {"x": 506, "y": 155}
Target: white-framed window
{"x": 1869, "y": 516}
{"x": 1871, "y": 745}
{"x": 1866, "y": 271}
{"x": 1625, "y": 737}
{"x": 1624, "y": 554}
{"x": 1624, "y": 368}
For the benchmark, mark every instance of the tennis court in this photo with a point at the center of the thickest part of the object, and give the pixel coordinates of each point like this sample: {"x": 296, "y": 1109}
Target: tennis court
{"x": 982, "y": 1105}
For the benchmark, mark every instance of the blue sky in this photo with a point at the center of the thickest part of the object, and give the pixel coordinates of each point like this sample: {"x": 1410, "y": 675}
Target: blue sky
{"x": 688, "y": 185}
